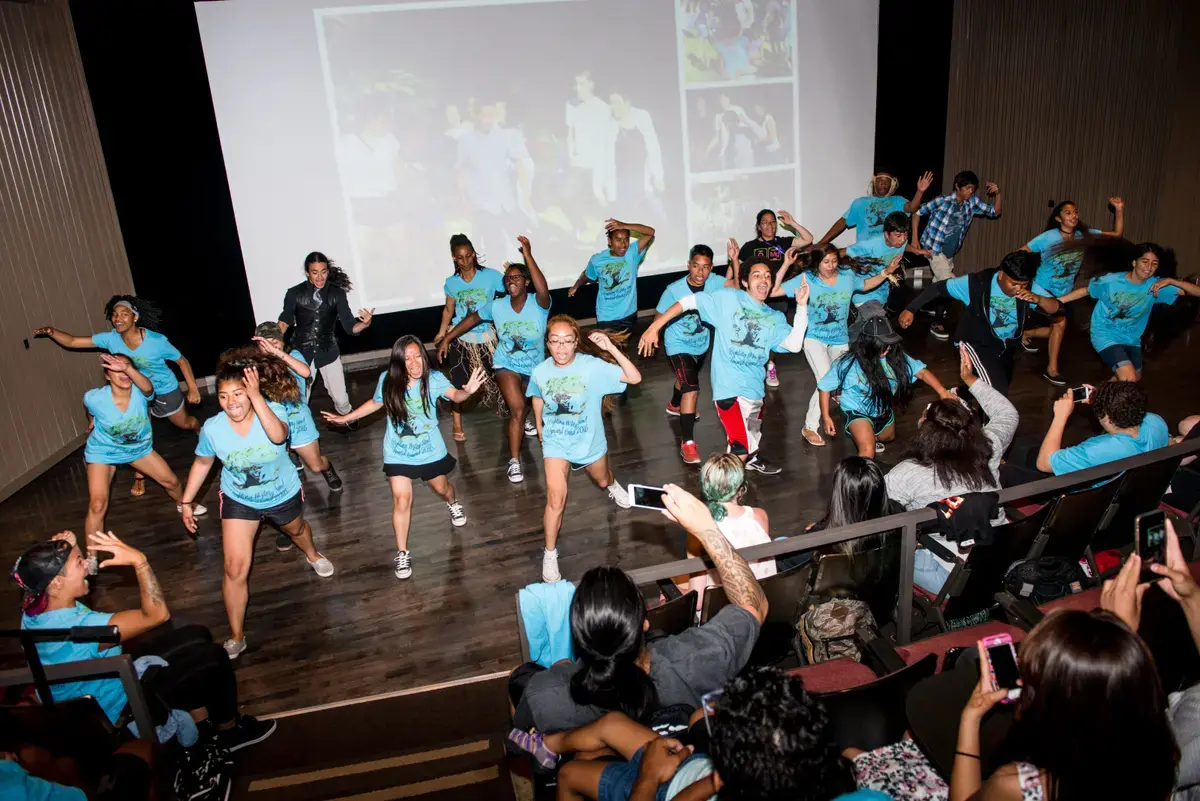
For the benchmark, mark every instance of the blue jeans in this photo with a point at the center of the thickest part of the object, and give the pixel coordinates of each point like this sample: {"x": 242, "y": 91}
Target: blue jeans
{"x": 928, "y": 573}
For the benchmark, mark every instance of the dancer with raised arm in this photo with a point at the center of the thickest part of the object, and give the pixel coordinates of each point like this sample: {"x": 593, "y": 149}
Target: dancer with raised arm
{"x": 615, "y": 271}
{"x": 686, "y": 342}
{"x": 747, "y": 331}
{"x": 569, "y": 392}
{"x": 472, "y": 287}
{"x": 866, "y": 214}
{"x": 121, "y": 434}
{"x": 413, "y": 448}
{"x": 1061, "y": 247}
{"x": 314, "y": 307}
{"x": 520, "y": 344}
{"x": 135, "y": 334}
{"x": 258, "y": 483}
{"x": 1123, "y": 304}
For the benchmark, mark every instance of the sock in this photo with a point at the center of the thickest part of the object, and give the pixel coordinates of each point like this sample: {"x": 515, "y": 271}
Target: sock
{"x": 676, "y": 397}
{"x": 687, "y": 424}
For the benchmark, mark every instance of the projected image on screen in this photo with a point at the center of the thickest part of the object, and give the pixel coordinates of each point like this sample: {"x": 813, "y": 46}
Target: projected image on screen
{"x": 736, "y": 40}
{"x": 729, "y": 206}
{"x": 740, "y": 127}
{"x": 478, "y": 119}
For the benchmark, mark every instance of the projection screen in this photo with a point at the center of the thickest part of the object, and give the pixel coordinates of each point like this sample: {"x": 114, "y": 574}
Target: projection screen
{"x": 373, "y": 133}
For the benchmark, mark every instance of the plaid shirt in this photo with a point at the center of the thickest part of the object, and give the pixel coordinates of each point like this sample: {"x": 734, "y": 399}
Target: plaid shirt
{"x": 945, "y": 215}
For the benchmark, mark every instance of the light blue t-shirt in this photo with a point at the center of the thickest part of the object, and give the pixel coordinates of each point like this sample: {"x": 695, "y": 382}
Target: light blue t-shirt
{"x": 880, "y": 254}
{"x": 107, "y": 691}
{"x": 302, "y": 428}
{"x": 828, "y": 305}
{"x": 686, "y": 334}
{"x": 616, "y": 298}
{"x": 856, "y": 392}
{"x": 472, "y": 297}
{"x": 866, "y": 215}
{"x": 1105, "y": 448}
{"x": 521, "y": 336}
{"x": 1123, "y": 309}
{"x": 746, "y": 333}
{"x": 573, "y": 398}
{"x": 1002, "y": 308}
{"x": 420, "y": 441}
{"x": 254, "y": 470}
{"x": 1059, "y": 265}
{"x": 117, "y": 437}
{"x": 150, "y": 357}
{"x": 17, "y": 785}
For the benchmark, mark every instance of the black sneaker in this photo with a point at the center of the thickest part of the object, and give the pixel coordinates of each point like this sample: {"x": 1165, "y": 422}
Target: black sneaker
{"x": 297, "y": 462}
{"x": 283, "y": 542}
{"x": 248, "y": 731}
{"x": 761, "y": 465}
{"x": 938, "y": 330}
{"x": 332, "y": 478}
{"x": 1029, "y": 346}
{"x": 1056, "y": 380}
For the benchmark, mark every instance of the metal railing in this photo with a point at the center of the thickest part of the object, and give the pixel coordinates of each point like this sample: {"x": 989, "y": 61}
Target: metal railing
{"x": 907, "y": 523}
{"x": 42, "y": 675}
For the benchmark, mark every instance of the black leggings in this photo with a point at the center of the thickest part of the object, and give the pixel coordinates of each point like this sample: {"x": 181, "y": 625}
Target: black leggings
{"x": 198, "y": 673}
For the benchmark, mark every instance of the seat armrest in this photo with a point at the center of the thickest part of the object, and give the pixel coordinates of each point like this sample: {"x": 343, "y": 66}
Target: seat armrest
{"x": 878, "y": 653}
{"x": 1020, "y": 611}
{"x": 668, "y": 589}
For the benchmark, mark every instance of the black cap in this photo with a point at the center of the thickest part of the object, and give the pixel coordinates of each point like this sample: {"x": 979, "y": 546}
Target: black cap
{"x": 37, "y": 567}
{"x": 873, "y": 322}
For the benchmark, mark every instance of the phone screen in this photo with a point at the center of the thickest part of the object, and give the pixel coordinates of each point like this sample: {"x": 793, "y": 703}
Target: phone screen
{"x": 1079, "y": 394}
{"x": 1152, "y": 537}
{"x": 648, "y": 497}
{"x": 1004, "y": 666}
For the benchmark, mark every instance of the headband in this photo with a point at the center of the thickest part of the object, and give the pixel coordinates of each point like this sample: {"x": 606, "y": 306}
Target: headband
{"x": 127, "y": 305}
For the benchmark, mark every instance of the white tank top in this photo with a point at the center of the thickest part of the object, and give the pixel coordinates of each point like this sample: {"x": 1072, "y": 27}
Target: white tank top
{"x": 740, "y": 531}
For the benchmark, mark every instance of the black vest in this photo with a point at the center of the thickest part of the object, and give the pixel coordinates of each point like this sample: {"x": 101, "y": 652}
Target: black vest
{"x": 316, "y": 319}
{"x": 975, "y": 326}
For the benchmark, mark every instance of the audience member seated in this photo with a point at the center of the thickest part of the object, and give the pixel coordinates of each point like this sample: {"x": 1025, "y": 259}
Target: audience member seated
{"x": 723, "y": 485}
{"x": 34, "y": 773}
{"x": 764, "y": 738}
{"x": 616, "y": 669}
{"x": 197, "y": 676}
{"x": 1188, "y": 430}
{"x": 952, "y": 454}
{"x": 1119, "y": 407}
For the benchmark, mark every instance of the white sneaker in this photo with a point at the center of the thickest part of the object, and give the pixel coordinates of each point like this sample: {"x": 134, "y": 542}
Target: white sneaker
{"x": 772, "y": 375}
{"x": 619, "y": 495}
{"x": 403, "y": 565}
{"x": 457, "y": 516}
{"x": 197, "y": 509}
{"x": 530, "y": 428}
{"x": 323, "y": 567}
{"x": 550, "y": 566}
{"x": 514, "y": 471}
{"x": 234, "y": 648}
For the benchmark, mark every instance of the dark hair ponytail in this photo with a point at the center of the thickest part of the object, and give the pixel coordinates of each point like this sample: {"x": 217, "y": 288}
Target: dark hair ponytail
{"x": 337, "y": 276}
{"x": 462, "y": 240}
{"x": 607, "y": 615}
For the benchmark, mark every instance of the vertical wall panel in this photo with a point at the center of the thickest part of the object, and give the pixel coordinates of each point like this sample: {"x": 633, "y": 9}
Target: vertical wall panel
{"x": 61, "y": 253}
{"x": 1061, "y": 101}
{"x": 1176, "y": 224}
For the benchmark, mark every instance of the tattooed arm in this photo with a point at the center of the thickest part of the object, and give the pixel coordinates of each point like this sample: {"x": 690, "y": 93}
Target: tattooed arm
{"x": 739, "y": 582}
{"x": 153, "y": 611}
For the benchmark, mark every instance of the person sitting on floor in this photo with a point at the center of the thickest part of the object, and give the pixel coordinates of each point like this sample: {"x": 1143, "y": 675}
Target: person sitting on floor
{"x": 616, "y": 669}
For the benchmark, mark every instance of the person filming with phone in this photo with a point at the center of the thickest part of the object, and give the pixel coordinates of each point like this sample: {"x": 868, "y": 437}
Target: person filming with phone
{"x": 1119, "y": 407}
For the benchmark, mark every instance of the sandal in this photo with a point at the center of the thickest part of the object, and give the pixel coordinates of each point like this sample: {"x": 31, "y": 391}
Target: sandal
{"x": 460, "y": 436}
{"x": 813, "y": 438}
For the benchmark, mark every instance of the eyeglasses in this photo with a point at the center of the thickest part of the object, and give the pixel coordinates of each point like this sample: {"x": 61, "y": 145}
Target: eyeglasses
{"x": 709, "y": 705}
{"x": 568, "y": 341}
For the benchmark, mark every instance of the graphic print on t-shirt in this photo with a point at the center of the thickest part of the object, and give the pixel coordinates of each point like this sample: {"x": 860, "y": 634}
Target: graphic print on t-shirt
{"x": 1003, "y": 312}
{"x": 251, "y": 467}
{"x": 128, "y": 431}
{"x": 1126, "y": 305}
{"x": 471, "y": 299}
{"x": 564, "y": 398}
{"x": 829, "y": 309}
{"x": 748, "y": 323}
{"x": 520, "y": 339}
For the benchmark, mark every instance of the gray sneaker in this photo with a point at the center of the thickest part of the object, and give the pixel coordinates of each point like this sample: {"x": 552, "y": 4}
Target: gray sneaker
{"x": 322, "y": 567}
{"x": 550, "y": 566}
{"x": 234, "y": 648}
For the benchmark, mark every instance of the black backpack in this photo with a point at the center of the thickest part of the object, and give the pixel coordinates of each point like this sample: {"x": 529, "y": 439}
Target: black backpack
{"x": 1044, "y": 579}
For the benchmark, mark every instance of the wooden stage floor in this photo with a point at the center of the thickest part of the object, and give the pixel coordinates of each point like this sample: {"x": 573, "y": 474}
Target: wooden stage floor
{"x": 363, "y": 632}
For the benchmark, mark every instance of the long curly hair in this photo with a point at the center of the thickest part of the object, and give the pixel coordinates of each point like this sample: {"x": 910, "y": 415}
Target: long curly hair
{"x": 585, "y": 345}
{"x": 149, "y": 316}
{"x": 274, "y": 379}
{"x": 337, "y": 276}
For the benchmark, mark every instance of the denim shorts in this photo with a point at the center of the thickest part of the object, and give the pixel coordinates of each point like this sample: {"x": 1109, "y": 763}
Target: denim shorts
{"x": 617, "y": 778}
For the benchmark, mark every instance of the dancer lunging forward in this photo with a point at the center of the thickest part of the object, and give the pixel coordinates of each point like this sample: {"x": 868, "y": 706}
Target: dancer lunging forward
{"x": 686, "y": 341}
{"x": 413, "y": 448}
{"x": 121, "y": 434}
{"x": 569, "y": 392}
{"x": 521, "y": 344}
{"x": 258, "y": 482}
{"x": 134, "y": 333}
{"x": 747, "y": 331}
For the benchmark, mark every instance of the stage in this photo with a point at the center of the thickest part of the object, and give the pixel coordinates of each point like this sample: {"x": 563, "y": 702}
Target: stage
{"x": 363, "y": 632}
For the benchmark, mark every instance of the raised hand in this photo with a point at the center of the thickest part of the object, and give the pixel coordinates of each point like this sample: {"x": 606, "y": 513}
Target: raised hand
{"x": 1176, "y": 580}
{"x": 1123, "y": 595}
{"x": 268, "y": 347}
{"x": 1116, "y": 203}
{"x": 113, "y": 364}
{"x": 612, "y": 224}
{"x": 790, "y": 256}
{"x": 991, "y": 188}
{"x": 44, "y": 331}
{"x": 526, "y": 248}
{"x": 66, "y": 536}
{"x": 905, "y": 319}
{"x": 601, "y": 341}
{"x": 732, "y": 250}
{"x": 364, "y": 316}
{"x": 925, "y": 181}
{"x": 786, "y": 218}
{"x": 122, "y": 554}
{"x": 250, "y": 379}
{"x": 477, "y": 379}
{"x": 648, "y": 342}
{"x": 1064, "y": 405}
{"x": 803, "y": 291}
{"x": 687, "y": 510}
